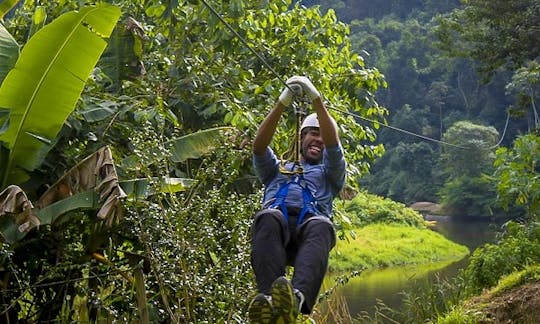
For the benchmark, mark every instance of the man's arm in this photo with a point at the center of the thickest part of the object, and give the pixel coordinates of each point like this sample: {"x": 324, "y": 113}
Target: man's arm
{"x": 327, "y": 125}
{"x": 267, "y": 129}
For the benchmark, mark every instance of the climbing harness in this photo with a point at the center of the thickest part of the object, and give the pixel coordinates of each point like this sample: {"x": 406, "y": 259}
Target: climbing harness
{"x": 309, "y": 202}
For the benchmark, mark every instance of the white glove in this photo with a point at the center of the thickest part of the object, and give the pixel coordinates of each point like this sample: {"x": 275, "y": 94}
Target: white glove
{"x": 307, "y": 86}
{"x": 287, "y": 95}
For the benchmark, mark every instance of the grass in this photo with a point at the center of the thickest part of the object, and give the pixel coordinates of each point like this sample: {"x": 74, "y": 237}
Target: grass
{"x": 386, "y": 245}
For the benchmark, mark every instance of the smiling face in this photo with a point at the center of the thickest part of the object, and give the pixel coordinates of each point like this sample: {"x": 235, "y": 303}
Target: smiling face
{"x": 312, "y": 145}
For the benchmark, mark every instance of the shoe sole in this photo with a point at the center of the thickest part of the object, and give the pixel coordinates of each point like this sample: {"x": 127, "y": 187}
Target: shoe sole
{"x": 260, "y": 310}
{"x": 284, "y": 301}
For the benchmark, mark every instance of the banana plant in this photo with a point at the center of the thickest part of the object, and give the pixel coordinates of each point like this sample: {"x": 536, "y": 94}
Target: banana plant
{"x": 37, "y": 96}
{"x": 25, "y": 145}
{"x": 42, "y": 89}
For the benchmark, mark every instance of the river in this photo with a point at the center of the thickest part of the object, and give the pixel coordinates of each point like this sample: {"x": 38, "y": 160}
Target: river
{"x": 364, "y": 292}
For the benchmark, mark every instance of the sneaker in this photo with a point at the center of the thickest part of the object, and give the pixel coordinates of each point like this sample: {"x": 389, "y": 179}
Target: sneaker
{"x": 284, "y": 301}
{"x": 260, "y": 310}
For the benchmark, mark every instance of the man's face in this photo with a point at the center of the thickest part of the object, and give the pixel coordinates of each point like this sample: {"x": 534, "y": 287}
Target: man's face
{"x": 312, "y": 145}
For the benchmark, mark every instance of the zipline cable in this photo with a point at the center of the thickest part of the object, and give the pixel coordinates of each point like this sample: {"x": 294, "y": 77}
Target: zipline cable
{"x": 274, "y": 72}
{"x": 504, "y": 132}
{"x": 395, "y": 128}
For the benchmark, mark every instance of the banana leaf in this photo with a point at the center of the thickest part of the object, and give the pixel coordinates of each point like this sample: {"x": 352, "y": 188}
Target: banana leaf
{"x": 9, "y": 52}
{"x": 96, "y": 172}
{"x": 46, "y": 82}
{"x": 197, "y": 144}
{"x": 122, "y": 60}
{"x": 14, "y": 227}
{"x": 91, "y": 184}
{"x": 143, "y": 188}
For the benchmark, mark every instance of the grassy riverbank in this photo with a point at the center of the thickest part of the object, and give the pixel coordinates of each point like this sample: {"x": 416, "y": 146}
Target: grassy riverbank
{"x": 386, "y": 234}
{"x": 385, "y": 245}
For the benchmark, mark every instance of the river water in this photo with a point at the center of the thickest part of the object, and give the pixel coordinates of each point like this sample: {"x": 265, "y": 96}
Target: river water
{"x": 364, "y": 292}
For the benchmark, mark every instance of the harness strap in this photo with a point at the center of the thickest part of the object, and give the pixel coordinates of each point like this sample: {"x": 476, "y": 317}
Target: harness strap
{"x": 309, "y": 202}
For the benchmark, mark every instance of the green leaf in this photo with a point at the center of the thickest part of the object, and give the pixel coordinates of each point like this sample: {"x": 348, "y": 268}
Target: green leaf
{"x": 143, "y": 187}
{"x": 197, "y": 144}
{"x": 9, "y": 52}
{"x": 99, "y": 111}
{"x": 38, "y": 20}
{"x": 122, "y": 59}
{"x": 4, "y": 120}
{"x": 46, "y": 82}
{"x": 6, "y": 6}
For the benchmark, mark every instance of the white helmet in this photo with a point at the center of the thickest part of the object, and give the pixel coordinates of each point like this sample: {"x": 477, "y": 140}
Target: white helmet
{"x": 312, "y": 121}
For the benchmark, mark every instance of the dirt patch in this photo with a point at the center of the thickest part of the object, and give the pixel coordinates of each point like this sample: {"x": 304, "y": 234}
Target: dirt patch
{"x": 517, "y": 305}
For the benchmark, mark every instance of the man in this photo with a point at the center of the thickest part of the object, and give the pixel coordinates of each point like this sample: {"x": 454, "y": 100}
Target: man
{"x": 294, "y": 226}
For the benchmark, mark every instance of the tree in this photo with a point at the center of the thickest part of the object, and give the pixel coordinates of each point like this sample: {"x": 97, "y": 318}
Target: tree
{"x": 498, "y": 34}
{"x": 471, "y": 142}
{"x": 525, "y": 85}
{"x": 467, "y": 191}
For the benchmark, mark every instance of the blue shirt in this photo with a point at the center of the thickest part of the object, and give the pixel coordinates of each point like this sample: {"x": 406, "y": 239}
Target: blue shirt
{"x": 324, "y": 180}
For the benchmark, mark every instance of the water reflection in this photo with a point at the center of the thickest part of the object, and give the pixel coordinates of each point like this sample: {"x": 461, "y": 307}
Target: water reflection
{"x": 386, "y": 285}
{"x": 363, "y": 292}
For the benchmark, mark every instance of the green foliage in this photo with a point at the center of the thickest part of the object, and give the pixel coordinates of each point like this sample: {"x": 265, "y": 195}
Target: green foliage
{"x": 195, "y": 241}
{"x": 460, "y": 315}
{"x": 9, "y": 52}
{"x": 382, "y": 245}
{"x": 475, "y": 143}
{"x": 366, "y": 209}
{"x": 470, "y": 197}
{"x": 198, "y": 256}
{"x": 430, "y": 300}
{"x": 429, "y": 91}
{"x": 517, "y": 175}
{"x": 518, "y": 247}
{"x": 34, "y": 92}
{"x": 361, "y": 9}
{"x": 191, "y": 244}
{"x": 497, "y": 33}
{"x": 467, "y": 190}
{"x": 515, "y": 279}
{"x": 524, "y": 85}
{"x": 6, "y": 6}
{"x": 405, "y": 173}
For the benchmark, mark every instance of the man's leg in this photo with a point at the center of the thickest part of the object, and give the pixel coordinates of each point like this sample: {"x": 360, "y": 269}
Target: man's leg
{"x": 268, "y": 254}
{"x": 316, "y": 237}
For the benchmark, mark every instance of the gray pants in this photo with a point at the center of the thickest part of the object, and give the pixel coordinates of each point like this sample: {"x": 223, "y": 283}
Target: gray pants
{"x": 277, "y": 243}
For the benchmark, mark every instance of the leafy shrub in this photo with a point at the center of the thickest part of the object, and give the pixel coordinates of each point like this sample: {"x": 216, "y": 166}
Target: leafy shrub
{"x": 519, "y": 246}
{"x": 367, "y": 209}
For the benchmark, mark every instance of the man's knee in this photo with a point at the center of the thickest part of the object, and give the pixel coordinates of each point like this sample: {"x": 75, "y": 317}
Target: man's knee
{"x": 269, "y": 217}
{"x": 319, "y": 226}
{"x": 270, "y": 221}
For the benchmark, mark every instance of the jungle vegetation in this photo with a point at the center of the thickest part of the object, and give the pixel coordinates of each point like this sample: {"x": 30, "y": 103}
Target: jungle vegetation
{"x": 126, "y": 184}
